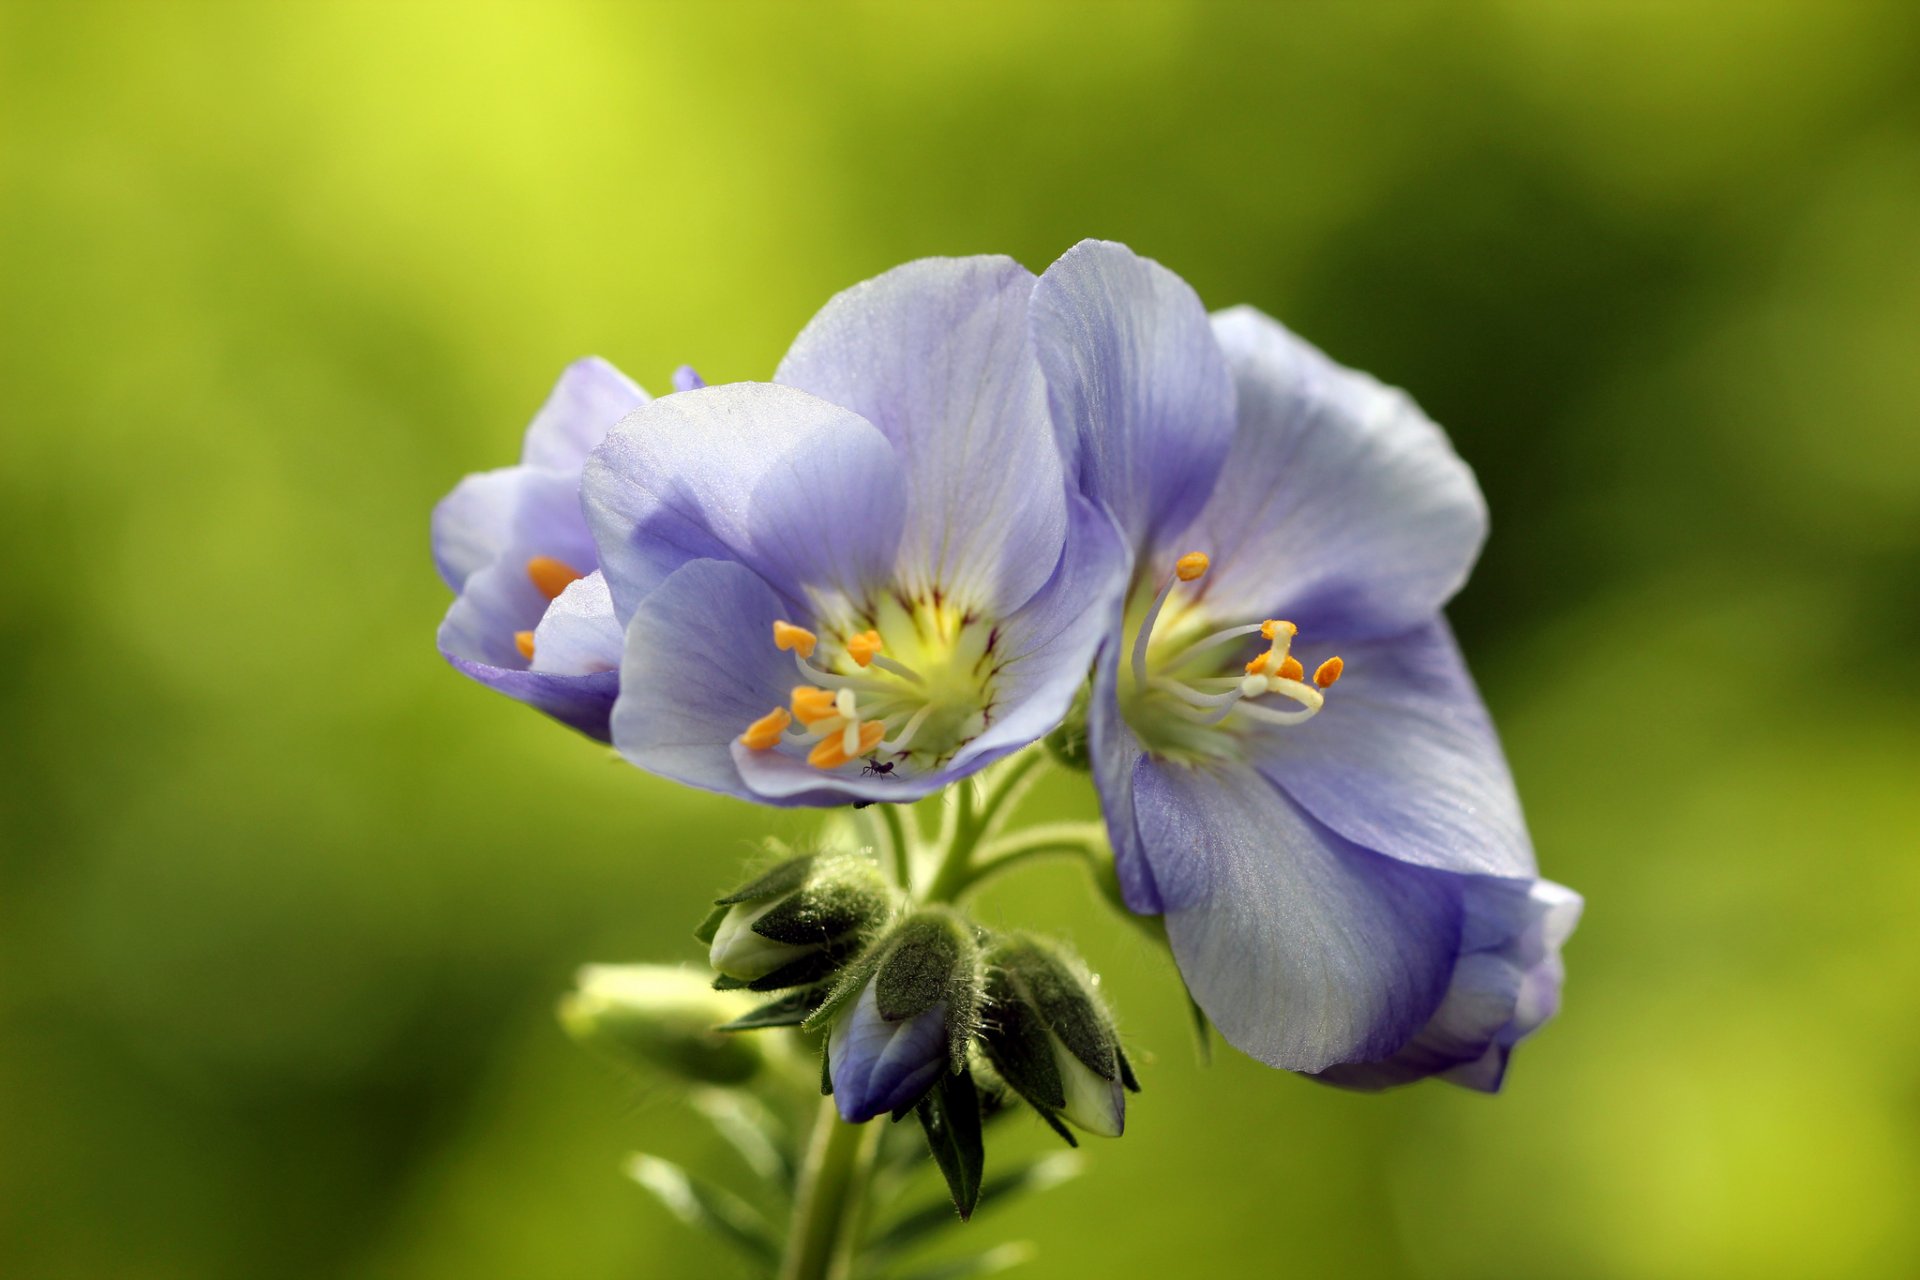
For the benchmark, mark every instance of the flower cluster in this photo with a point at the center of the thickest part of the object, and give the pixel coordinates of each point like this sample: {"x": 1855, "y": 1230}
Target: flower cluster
{"x": 972, "y": 506}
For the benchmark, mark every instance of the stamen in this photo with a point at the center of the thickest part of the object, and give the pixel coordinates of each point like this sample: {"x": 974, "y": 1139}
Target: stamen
{"x": 523, "y": 641}
{"x": 863, "y": 647}
{"x": 550, "y": 577}
{"x": 1328, "y": 673}
{"x": 765, "y": 732}
{"x": 812, "y": 705}
{"x": 1272, "y": 628}
{"x": 1290, "y": 669}
{"x": 799, "y": 639}
{"x": 1187, "y": 568}
{"x": 900, "y": 742}
{"x": 831, "y": 753}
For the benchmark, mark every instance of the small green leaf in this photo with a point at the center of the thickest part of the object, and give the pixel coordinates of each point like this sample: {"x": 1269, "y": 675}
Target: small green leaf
{"x": 785, "y": 878}
{"x": 707, "y": 1207}
{"x": 754, "y": 1132}
{"x": 950, "y": 1114}
{"x": 711, "y": 925}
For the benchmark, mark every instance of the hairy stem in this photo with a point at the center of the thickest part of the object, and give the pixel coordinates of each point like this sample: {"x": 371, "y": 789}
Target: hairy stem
{"x": 833, "y": 1189}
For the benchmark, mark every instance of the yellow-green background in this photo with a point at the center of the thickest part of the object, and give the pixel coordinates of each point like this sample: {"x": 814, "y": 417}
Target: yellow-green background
{"x": 285, "y": 903}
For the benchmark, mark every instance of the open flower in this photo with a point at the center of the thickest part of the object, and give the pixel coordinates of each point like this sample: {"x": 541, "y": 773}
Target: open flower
{"x": 866, "y": 579}
{"x": 1295, "y": 766}
{"x": 531, "y": 616}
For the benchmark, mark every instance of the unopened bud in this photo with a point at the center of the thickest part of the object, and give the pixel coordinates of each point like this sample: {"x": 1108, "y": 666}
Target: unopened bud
{"x": 797, "y": 924}
{"x": 1051, "y": 1038}
{"x": 903, "y": 1015}
{"x": 661, "y": 1017}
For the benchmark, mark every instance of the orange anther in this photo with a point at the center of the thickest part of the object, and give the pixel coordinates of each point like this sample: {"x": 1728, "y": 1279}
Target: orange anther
{"x": 1291, "y": 669}
{"x": 1273, "y": 626}
{"x": 550, "y": 577}
{"x": 523, "y": 641}
{"x": 812, "y": 705}
{"x": 765, "y": 732}
{"x": 799, "y": 639}
{"x": 828, "y": 753}
{"x": 1258, "y": 667}
{"x": 1328, "y": 672}
{"x": 862, "y": 647}
{"x": 1191, "y": 565}
{"x": 871, "y": 732}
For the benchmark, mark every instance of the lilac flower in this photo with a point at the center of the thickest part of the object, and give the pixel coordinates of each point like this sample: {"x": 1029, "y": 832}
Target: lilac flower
{"x": 1344, "y": 872}
{"x": 879, "y": 1065}
{"x": 866, "y": 579}
{"x": 531, "y": 615}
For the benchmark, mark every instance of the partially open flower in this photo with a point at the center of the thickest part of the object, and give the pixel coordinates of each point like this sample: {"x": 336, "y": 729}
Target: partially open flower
{"x": 903, "y": 1016}
{"x": 1047, "y": 1033}
{"x": 531, "y": 615}
{"x": 867, "y": 579}
{"x": 797, "y": 924}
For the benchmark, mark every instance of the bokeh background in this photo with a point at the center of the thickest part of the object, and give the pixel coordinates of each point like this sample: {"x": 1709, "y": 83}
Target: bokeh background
{"x": 285, "y": 903}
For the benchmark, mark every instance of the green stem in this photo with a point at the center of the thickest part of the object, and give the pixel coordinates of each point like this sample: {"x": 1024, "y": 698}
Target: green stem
{"x": 833, "y": 1190}
{"x": 1081, "y": 839}
{"x": 902, "y": 851}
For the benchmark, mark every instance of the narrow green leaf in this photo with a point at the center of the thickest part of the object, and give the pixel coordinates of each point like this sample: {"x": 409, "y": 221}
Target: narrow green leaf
{"x": 753, "y": 1131}
{"x": 788, "y": 1011}
{"x": 707, "y": 1207}
{"x": 950, "y": 1114}
{"x": 1032, "y": 1178}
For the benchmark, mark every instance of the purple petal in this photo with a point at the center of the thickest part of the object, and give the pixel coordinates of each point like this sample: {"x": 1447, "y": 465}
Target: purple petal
{"x": 1341, "y": 506}
{"x": 580, "y": 702}
{"x": 1404, "y": 760}
{"x": 935, "y": 354}
{"x": 498, "y": 599}
{"x": 579, "y": 635}
{"x": 1304, "y": 949}
{"x": 590, "y": 397}
{"x": 879, "y": 1066}
{"x": 687, "y": 378}
{"x": 807, "y": 494}
{"x": 1115, "y": 753}
{"x": 699, "y": 666}
{"x": 472, "y": 525}
{"x": 1045, "y": 649}
{"x": 1139, "y": 389}
{"x": 1505, "y": 985}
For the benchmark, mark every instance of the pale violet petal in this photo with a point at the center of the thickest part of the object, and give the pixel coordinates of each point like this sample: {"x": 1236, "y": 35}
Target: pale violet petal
{"x": 472, "y": 525}
{"x": 1341, "y": 506}
{"x": 808, "y": 495}
{"x": 1404, "y": 760}
{"x": 1114, "y": 755}
{"x": 579, "y": 635}
{"x": 1303, "y": 949}
{"x": 935, "y": 354}
{"x": 589, "y": 398}
{"x": 1139, "y": 390}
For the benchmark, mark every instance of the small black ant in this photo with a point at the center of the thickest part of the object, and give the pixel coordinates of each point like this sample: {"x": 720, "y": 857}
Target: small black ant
{"x": 877, "y": 768}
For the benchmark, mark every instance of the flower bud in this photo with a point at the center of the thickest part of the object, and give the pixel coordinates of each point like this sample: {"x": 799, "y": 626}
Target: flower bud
{"x": 658, "y": 1016}
{"x": 796, "y": 924}
{"x": 1052, "y": 1040}
{"x": 902, "y": 1016}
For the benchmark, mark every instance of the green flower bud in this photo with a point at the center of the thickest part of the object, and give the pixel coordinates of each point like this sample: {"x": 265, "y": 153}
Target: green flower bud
{"x": 1052, "y": 1040}
{"x": 649, "y": 1016}
{"x": 797, "y": 924}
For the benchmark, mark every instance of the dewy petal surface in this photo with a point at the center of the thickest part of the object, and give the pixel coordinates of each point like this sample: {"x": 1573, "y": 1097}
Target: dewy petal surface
{"x": 590, "y": 397}
{"x": 1341, "y": 506}
{"x": 935, "y": 354}
{"x": 1405, "y": 760}
{"x": 807, "y": 494}
{"x": 1304, "y": 949}
{"x": 1139, "y": 389}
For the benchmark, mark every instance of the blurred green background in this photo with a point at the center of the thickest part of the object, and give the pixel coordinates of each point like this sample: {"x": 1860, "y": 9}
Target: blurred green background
{"x": 285, "y": 903}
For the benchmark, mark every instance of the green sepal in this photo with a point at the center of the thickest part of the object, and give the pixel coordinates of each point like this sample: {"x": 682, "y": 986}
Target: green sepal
{"x": 788, "y": 1011}
{"x": 711, "y": 925}
{"x": 826, "y": 908}
{"x": 1063, "y": 1001}
{"x": 826, "y": 1068}
{"x": 784, "y": 878}
{"x": 1127, "y": 1080}
{"x": 950, "y": 1116}
{"x": 918, "y": 970}
{"x": 809, "y": 970}
{"x": 1017, "y": 1044}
